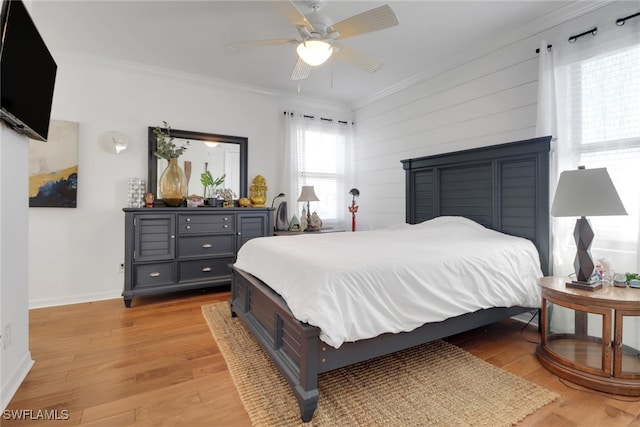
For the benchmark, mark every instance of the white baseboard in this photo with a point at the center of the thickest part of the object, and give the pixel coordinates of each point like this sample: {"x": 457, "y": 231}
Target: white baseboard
{"x": 12, "y": 384}
{"x": 73, "y": 299}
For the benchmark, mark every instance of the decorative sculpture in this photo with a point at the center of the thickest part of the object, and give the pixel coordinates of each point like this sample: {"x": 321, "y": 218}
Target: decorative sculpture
{"x": 258, "y": 191}
{"x": 282, "y": 222}
{"x": 315, "y": 222}
{"x": 149, "y": 200}
{"x": 294, "y": 225}
{"x": 227, "y": 195}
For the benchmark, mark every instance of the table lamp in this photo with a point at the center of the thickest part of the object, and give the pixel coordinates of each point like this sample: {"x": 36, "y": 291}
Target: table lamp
{"x": 277, "y": 197}
{"x": 308, "y": 195}
{"x": 353, "y": 208}
{"x": 585, "y": 192}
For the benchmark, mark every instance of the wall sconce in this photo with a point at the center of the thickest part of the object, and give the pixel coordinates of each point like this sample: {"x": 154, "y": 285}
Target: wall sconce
{"x": 114, "y": 142}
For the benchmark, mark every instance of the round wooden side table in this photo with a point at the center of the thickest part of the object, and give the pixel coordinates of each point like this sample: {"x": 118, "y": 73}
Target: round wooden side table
{"x": 591, "y": 338}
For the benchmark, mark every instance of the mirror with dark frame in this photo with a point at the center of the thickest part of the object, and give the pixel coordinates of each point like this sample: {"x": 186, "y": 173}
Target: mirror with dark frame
{"x": 223, "y": 154}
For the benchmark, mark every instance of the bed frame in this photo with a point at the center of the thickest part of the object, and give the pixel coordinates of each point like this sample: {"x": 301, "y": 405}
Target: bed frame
{"x": 504, "y": 187}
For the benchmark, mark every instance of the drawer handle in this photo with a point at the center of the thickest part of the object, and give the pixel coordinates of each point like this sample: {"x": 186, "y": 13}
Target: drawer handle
{"x": 225, "y": 226}
{"x": 226, "y": 219}
{"x": 206, "y": 245}
{"x": 239, "y": 233}
{"x": 206, "y": 269}
{"x": 188, "y": 227}
{"x": 155, "y": 274}
{"x": 173, "y": 236}
{"x": 188, "y": 219}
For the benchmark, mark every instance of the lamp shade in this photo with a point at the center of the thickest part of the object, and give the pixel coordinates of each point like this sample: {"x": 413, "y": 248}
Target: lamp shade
{"x": 308, "y": 194}
{"x": 586, "y": 192}
{"x": 314, "y": 52}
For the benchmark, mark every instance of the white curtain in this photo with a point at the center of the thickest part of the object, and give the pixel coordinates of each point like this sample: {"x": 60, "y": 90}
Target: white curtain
{"x": 318, "y": 152}
{"x": 594, "y": 117}
{"x": 589, "y": 101}
{"x": 290, "y": 182}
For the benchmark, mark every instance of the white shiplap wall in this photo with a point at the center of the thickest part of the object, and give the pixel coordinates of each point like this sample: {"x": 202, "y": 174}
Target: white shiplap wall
{"x": 488, "y": 98}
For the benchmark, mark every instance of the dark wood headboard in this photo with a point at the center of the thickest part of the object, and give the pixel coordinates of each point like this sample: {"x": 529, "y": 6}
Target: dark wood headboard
{"x": 503, "y": 187}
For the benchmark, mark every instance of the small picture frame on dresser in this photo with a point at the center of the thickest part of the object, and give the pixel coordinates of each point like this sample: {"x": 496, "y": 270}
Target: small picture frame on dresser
{"x": 195, "y": 201}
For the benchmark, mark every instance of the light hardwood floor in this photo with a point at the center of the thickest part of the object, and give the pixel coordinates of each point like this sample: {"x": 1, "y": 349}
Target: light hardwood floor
{"x": 156, "y": 364}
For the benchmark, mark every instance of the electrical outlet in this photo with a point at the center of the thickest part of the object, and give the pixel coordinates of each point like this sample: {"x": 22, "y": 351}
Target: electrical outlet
{"x": 121, "y": 267}
{"x": 6, "y": 336}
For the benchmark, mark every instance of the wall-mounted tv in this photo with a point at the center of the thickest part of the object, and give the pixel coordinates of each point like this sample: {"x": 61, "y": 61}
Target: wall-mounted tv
{"x": 27, "y": 73}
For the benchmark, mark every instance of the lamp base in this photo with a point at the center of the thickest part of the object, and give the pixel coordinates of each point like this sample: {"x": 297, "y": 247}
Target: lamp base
{"x": 585, "y": 286}
{"x": 583, "y": 264}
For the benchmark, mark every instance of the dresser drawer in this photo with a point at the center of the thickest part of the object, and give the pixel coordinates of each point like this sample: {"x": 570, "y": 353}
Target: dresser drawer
{"x": 207, "y": 269}
{"x": 212, "y": 245}
{"x": 150, "y": 275}
{"x": 210, "y": 223}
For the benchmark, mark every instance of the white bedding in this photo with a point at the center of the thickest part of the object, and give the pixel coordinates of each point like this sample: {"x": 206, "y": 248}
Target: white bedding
{"x": 359, "y": 285}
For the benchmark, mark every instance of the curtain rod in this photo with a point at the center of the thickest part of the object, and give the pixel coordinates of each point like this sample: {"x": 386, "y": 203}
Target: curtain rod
{"x": 620, "y": 22}
{"x": 592, "y": 31}
{"x": 549, "y": 46}
{"x": 342, "y": 122}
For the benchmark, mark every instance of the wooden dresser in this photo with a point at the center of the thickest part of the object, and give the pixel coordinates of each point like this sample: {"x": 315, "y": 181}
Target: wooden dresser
{"x": 172, "y": 249}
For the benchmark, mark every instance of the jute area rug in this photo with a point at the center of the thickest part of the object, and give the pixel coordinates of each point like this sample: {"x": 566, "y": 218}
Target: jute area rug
{"x": 436, "y": 384}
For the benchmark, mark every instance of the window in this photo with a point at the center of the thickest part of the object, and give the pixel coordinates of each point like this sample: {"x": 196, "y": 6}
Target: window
{"x": 602, "y": 129}
{"x": 317, "y": 153}
{"x": 322, "y": 166}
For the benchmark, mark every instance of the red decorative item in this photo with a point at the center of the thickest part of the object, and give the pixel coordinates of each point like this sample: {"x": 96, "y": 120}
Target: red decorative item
{"x": 353, "y": 208}
{"x": 148, "y": 200}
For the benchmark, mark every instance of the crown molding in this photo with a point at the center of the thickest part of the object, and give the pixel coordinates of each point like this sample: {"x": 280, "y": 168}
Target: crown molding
{"x": 200, "y": 79}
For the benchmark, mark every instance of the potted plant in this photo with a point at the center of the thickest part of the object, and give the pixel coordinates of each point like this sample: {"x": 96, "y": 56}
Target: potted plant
{"x": 173, "y": 181}
{"x": 165, "y": 147}
{"x": 210, "y": 184}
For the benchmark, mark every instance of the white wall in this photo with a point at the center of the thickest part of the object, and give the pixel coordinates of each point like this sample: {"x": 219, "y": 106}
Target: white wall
{"x": 483, "y": 97}
{"x": 15, "y": 358}
{"x": 74, "y": 253}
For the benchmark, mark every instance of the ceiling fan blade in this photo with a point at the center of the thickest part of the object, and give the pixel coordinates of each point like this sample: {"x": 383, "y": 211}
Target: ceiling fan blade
{"x": 289, "y": 10}
{"x": 301, "y": 70}
{"x": 261, "y": 43}
{"x": 372, "y": 20}
{"x": 358, "y": 58}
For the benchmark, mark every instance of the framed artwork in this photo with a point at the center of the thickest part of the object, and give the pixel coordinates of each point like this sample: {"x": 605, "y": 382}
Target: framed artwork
{"x": 53, "y": 167}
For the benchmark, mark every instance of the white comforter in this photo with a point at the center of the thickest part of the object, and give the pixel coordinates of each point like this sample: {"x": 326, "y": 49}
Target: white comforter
{"x": 359, "y": 285}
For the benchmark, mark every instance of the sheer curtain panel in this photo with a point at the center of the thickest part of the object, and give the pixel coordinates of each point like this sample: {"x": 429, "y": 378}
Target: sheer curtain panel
{"x": 318, "y": 153}
{"x": 596, "y": 111}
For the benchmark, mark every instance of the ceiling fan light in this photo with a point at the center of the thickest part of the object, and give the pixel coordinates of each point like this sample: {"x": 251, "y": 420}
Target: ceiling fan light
{"x": 314, "y": 52}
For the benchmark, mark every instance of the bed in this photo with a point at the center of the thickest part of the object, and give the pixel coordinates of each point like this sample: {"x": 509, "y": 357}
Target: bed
{"x": 502, "y": 188}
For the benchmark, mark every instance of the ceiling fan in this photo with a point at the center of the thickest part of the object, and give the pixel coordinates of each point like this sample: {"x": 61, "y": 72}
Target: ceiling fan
{"x": 319, "y": 37}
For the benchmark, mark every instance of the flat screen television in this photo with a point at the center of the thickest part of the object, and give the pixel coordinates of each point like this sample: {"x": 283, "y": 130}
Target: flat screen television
{"x": 27, "y": 73}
